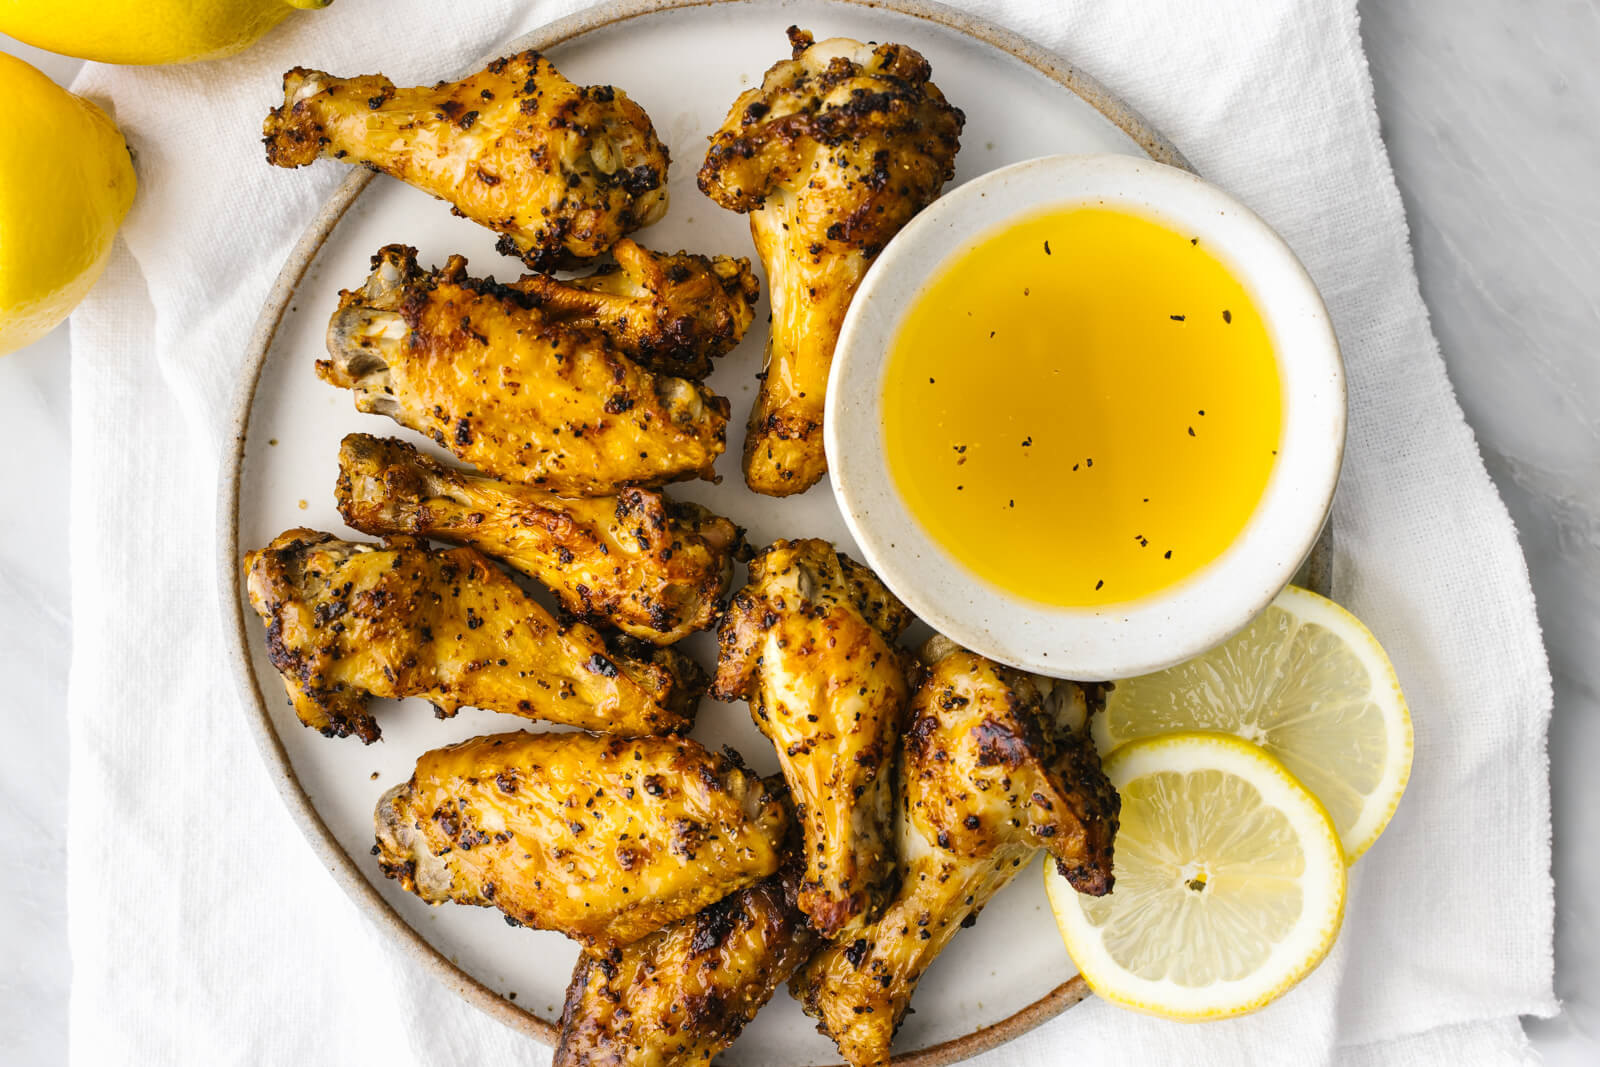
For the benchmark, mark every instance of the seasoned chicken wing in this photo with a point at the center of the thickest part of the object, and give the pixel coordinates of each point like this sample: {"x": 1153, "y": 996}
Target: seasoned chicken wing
{"x": 471, "y": 365}
{"x": 346, "y": 621}
{"x": 831, "y": 155}
{"x": 562, "y": 171}
{"x": 996, "y": 765}
{"x": 604, "y": 839}
{"x": 809, "y": 642}
{"x": 671, "y": 313}
{"x": 655, "y": 568}
{"x": 683, "y": 994}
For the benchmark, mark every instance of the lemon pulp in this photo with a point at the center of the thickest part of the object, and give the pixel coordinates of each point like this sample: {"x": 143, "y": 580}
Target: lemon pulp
{"x": 1083, "y": 407}
{"x": 1217, "y": 866}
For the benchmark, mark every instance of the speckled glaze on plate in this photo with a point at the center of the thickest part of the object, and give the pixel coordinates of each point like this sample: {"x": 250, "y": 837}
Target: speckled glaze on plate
{"x": 684, "y": 61}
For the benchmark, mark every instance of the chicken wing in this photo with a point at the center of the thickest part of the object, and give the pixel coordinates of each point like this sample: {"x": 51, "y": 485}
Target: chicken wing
{"x": 346, "y": 621}
{"x": 671, "y": 313}
{"x": 655, "y": 568}
{"x": 468, "y": 363}
{"x": 996, "y": 765}
{"x": 683, "y": 994}
{"x": 560, "y": 170}
{"x": 831, "y": 155}
{"x": 809, "y": 642}
{"x": 604, "y": 839}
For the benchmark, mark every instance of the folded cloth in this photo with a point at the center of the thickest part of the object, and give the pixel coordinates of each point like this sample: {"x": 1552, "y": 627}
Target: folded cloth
{"x": 202, "y": 929}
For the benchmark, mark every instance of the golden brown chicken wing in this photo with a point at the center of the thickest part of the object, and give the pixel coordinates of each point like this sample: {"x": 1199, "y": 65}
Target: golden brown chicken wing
{"x": 604, "y": 839}
{"x": 671, "y": 313}
{"x": 655, "y": 568}
{"x": 809, "y": 642}
{"x": 996, "y": 765}
{"x": 471, "y": 365}
{"x": 346, "y": 621}
{"x": 562, "y": 171}
{"x": 831, "y": 155}
{"x": 683, "y": 994}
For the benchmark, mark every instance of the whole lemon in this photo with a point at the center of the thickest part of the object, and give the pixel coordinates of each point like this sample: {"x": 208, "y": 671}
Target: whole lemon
{"x": 145, "y": 31}
{"x": 66, "y": 181}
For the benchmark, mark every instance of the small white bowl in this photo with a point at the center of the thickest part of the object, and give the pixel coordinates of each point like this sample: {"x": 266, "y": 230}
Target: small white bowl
{"x": 1156, "y": 631}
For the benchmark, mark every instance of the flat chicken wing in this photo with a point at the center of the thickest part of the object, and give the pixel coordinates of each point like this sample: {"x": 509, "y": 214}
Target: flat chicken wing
{"x": 809, "y": 642}
{"x": 683, "y": 994}
{"x": 346, "y": 621}
{"x": 655, "y": 568}
{"x": 472, "y": 365}
{"x": 831, "y": 155}
{"x": 604, "y": 839}
{"x": 671, "y": 313}
{"x": 996, "y": 765}
{"x": 560, "y": 170}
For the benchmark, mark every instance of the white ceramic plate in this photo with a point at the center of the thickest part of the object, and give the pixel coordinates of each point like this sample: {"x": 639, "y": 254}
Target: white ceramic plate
{"x": 684, "y": 63}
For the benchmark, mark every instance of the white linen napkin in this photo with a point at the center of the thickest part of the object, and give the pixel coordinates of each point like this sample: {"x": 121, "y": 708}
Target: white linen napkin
{"x": 202, "y": 929}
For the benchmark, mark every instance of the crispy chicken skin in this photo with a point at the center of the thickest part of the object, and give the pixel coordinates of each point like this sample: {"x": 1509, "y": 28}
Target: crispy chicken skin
{"x": 655, "y": 568}
{"x": 831, "y": 155}
{"x": 470, "y": 364}
{"x": 560, "y": 170}
{"x": 346, "y": 621}
{"x": 995, "y": 766}
{"x": 605, "y": 839}
{"x": 809, "y": 642}
{"x": 671, "y": 313}
{"x": 683, "y": 994}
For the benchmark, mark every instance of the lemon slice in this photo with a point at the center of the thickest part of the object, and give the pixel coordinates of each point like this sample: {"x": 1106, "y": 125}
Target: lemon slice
{"x": 1307, "y": 682}
{"x": 1230, "y": 882}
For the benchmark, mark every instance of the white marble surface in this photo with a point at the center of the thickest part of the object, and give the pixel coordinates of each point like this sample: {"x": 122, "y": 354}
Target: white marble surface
{"x": 1490, "y": 111}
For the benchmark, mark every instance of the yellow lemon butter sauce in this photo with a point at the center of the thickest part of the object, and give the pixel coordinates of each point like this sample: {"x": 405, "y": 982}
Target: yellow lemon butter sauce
{"x": 1083, "y": 407}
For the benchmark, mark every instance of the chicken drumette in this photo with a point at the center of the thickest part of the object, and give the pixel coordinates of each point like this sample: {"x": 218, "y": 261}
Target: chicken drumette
{"x": 831, "y": 155}
{"x": 346, "y": 621}
{"x": 655, "y": 568}
{"x": 683, "y": 994}
{"x": 561, "y": 170}
{"x": 604, "y": 839}
{"x": 671, "y": 313}
{"x": 491, "y": 378}
{"x": 809, "y": 642}
{"x": 996, "y": 765}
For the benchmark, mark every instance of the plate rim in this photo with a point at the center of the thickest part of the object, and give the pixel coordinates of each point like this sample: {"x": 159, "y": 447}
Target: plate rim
{"x": 339, "y": 863}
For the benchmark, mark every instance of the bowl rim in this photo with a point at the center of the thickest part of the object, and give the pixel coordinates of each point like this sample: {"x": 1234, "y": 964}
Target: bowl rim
{"x": 1116, "y": 640}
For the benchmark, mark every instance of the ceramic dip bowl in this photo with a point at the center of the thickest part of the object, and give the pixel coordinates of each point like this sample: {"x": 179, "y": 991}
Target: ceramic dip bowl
{"x": 1177, "y": 621}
